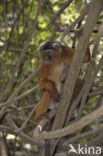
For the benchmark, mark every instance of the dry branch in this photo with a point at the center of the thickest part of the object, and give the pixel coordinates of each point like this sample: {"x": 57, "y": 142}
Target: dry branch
{"x": 23, "y": 136}
{"x": 19, "y": 97}
{"x": 24, "y": 49}
{"x": 89, "y": 85}
{"x": 93, "y": 14}
{"x": 73, "y": 127}
{"x": 4, "y": 109}
{"x": 86, "y": 135}
{"x": 60, "y": 39}
{"x": 64, "y": 6}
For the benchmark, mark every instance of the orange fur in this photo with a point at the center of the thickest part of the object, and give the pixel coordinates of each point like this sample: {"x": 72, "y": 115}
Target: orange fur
{"x": 42, "y": 106}
{"x": 50, "y": 74}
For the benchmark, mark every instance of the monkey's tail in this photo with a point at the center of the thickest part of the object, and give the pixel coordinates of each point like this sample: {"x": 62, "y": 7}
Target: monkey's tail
{"x": 42, "y": 106}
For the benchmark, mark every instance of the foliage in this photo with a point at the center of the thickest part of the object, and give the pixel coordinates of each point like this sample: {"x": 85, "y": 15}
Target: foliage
{"x": 16, "y": 20}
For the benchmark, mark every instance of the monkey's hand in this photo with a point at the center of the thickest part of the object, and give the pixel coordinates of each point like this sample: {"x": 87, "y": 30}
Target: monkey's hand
{"x": 43, "y": 116}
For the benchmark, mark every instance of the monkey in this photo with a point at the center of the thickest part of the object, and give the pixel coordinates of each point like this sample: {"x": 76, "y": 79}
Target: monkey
{"x": 54, "y": 56}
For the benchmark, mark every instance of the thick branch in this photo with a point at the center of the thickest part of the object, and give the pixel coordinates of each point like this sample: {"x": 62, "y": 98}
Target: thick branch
{"x": 94, "y": 11}
{"x": 73, "y": 127}
{"x": 86, "y": 135}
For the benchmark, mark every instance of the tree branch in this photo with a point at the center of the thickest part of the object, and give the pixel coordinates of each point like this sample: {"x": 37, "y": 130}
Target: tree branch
{"x": 94, "y": 11}
{"x": 73, "y": 127}
{"x": 64, "y": 6}
{"x": 24, "y": 49}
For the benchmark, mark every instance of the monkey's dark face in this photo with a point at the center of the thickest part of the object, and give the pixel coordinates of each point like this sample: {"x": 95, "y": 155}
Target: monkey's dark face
{"x": 48, "y": 50}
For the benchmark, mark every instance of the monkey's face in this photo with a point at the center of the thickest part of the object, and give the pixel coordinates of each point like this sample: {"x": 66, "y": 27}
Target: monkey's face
{"x": 50, "y": 51}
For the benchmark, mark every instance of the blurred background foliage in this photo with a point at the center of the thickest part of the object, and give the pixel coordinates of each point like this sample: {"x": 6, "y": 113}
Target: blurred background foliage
{"x": 15, "y": 27}
{"x": 20, "y": 16}
{"x": 16, "y": 20}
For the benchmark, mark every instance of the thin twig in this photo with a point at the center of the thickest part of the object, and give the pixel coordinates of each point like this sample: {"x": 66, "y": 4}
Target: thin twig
{"x": 4, "y": 109}
{"x": 19, "y": 97}
{"x": 26, "y": 121}
{"x": 60, "y": 39}
{"x": 24, "y": 50}
{"x": 25, "y": 137}
{"x": 89, "y": 85}
{"x": 64, "y": 6}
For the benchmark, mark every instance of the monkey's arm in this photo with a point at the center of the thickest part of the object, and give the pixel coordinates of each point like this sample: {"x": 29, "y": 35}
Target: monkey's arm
{"x": 69, "y": 52}
{"x": 42, "y": 106}
{"x": 49, "y": 91}
{"x": 47, "y": 85}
